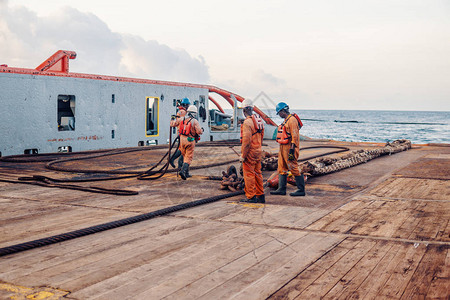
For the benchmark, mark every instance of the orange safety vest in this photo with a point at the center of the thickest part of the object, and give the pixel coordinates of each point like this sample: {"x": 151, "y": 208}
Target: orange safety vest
{"x": 283, "y": 137}
{"x": 300, "y": 124}
{"x": 257, "y": 122}
{"x": 185, "y": 127}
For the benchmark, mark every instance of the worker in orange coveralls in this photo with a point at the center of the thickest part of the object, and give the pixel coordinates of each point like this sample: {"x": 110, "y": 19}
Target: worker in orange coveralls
{"x": 182, "y": 111}
{"x": 288, "y": 137}
{"x": 190, "y": 131}
{"x": 252, "y": 134}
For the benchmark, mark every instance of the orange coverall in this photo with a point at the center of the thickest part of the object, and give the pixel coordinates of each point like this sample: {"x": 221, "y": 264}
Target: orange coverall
{"x": 186, "y": 147}
{"x": 292, "y": 128}
{"x": 181, "y": 113}
{"x": 251, "y": 152}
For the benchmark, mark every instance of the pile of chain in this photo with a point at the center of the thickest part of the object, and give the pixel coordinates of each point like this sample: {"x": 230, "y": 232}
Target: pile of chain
{"x": 231, "y": 180}
{"x": 269, "y": 161}
{"x": 326, "y": 165}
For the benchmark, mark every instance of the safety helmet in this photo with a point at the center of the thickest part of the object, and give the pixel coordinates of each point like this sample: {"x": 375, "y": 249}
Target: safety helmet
{"x": 192, "y": 109}
{"x": 281, "y": 106}
{"x": 186, "y": 101}
{"x": 247, "y": 103}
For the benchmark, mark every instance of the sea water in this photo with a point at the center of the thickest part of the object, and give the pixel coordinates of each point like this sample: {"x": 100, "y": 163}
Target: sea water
{"x": 421, "y": 127}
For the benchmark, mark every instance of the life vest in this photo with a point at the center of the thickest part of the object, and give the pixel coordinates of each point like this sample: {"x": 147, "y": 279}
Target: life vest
{"x": 300, "y": 124}
{"x": 185, "y": 127}
{"x": 283, "y": 137}
{"x": 258, "y": 123}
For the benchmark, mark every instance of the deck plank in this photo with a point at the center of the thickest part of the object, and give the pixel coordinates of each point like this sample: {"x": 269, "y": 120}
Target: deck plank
{"x": 93, "y": 247}
{"x": 82, "y": 273}
{"x": 297, "y": 284}
{"x": 56, "y": 223}
{"x": 243, "y": 277}
{"x": 402, "y": 273}
{"x": 429, "y": 268}
{"x": 414, "y": 188}
{"x": 161, "y": 271}
{"x": 277, "y": 277}
{"x": 375, "y": 281}
{"x": 440, "y": 284}
{"x": 355, "y": 277}
{"x": 325, "y": 282}
{"x": 326, "y": 221}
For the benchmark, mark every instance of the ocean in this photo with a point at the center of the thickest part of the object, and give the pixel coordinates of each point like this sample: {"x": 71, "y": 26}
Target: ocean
{"x": 421, "y": 127}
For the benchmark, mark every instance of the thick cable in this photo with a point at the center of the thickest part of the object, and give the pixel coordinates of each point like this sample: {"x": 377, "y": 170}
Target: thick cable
{"x": 45, "y": 157}
{"x": 110, "y": 225}
{"x": 49, "y": 182}
{"x": 56, "y": 183}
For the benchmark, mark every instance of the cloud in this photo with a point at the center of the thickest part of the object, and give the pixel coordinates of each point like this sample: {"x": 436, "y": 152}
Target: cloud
{"x": 149, "y": 58}
{"x": 275, "y": 89}
{"x": 30, "y": 39}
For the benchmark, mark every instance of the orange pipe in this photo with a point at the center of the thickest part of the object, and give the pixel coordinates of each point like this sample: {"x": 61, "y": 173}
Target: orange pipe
{"x": 264, "y": 116}
{"x": 227, "y": 96}
{"x": 217, "y": 104}
{"x": 225, "y": 93}
{"x": 58, "y": 62}
{"x": 231, "y": 101}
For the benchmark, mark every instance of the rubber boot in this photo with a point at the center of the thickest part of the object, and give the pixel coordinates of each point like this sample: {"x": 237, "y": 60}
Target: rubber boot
{"x": 282, "y": 180}
{"x": 184, "y": 171}
{"x": 180, "y": 161}
{"x": 251, "y": 200}
{"x": 300, "y": 181}
{"x": 175, "y": 156}
{"x": 261, "y": 198}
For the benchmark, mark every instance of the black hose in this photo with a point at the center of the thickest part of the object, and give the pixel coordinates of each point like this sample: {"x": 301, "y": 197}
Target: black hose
{"x": 50, "y": 182}
{"x": 51, "y": 164}
{"x": 110, "y": 225}
{"x": 150, "y": 174}
{"x": 56, "y": 183}
{"x": 45, "y": 157}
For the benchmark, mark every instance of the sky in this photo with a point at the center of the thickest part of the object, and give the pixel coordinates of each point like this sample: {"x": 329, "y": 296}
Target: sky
{"x": 322, "y": 54}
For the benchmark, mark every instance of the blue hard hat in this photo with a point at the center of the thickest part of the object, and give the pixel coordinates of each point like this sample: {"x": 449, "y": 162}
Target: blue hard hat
{"x": 281, "y": 106}
{"x": 186, "y": 101}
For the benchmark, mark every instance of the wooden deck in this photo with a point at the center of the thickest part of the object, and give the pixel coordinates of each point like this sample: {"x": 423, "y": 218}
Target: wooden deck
{"x": 379, "y": 230}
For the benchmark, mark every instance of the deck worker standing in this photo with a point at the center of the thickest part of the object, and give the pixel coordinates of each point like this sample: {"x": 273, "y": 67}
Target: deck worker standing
{"x": 182, "y": 111}
{"x": 252, "y": 134}
{"x": 288, "y": 137}
{"x": 190, "y": 131}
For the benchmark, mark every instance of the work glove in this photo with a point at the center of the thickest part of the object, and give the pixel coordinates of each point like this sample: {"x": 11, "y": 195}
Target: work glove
{"x": 291, "y": 154}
